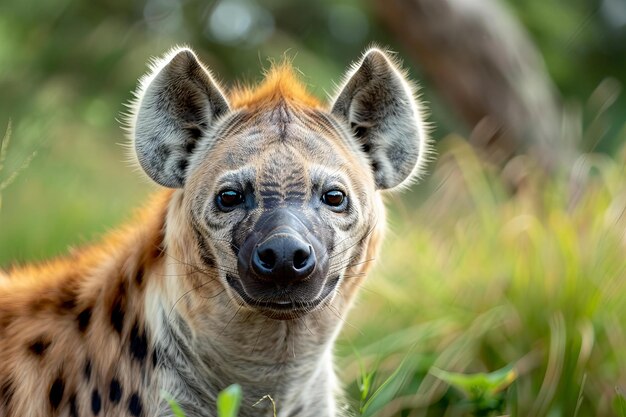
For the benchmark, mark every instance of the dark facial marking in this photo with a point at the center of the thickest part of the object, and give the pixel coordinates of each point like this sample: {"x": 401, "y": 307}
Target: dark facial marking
{"x": 6, "y": 392}
{"x": 281, "y": 116}
{"x": 83, "y": 319}
{"x": 195, "y": 133}
{"x": 39, "y": 347}
{"x": 56, "y": 393}
{"x": 118, "y": 309}
{"x": 138, "y": 344}
{"x": 87, "y": 370}
{"x": 139, "y": 275}
{"x": 282, "y": 181}
{"x": 96, "y": 402}
{"x": 182, "y": 165}
{"x": 155, "y": 358}
{"x": 271, "y": 198}
{"x": 134, "y": 405}
{"x": 73, "y": 408}
{"x": 6, "y": 317}
{"x": 68, "y": 301}
{"x": 162, "y": 151}
{"x": 205, "y": 252}
{"x": 115, "y": 391}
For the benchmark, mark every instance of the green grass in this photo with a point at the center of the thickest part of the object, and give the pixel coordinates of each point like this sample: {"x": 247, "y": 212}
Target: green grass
{"x": 483, "y": 270}
{"x": 497, "y": 269}
{"x": 76, "y": 186}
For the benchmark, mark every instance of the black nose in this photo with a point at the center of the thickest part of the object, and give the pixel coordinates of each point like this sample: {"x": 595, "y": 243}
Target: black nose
{"x": 283, "y": 258}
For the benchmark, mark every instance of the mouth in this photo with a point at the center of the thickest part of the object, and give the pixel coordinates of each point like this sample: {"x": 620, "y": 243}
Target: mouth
{"x": 283, "y": 309}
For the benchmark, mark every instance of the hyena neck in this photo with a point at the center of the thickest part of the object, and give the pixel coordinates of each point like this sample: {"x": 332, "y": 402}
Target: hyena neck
{"x": 207, "y": 342}
{"x": 282, "y": 360}
{"x": 201, "y": 354}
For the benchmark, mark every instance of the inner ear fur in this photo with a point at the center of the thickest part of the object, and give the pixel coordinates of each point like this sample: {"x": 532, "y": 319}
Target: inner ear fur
{"x": 379, "y": 105}
{"x": 177, "y": 102}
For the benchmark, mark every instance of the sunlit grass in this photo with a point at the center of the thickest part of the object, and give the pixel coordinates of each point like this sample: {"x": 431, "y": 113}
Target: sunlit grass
{"x": 75, "y": 189}
{"x": 501, "y": 268}
{"x": 7, "y": 178}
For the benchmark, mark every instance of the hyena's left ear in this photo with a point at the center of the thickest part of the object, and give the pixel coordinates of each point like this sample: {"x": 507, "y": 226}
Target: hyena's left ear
{"x": 380, "y": 106}
{"x": 176, "y": 104}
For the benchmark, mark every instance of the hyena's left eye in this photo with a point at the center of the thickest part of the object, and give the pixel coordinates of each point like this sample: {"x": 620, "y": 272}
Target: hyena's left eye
{"x": 229, "y": 199}
{"x": 334, "y": 198}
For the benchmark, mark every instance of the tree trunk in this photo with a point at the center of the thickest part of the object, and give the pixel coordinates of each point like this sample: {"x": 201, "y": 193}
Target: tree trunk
{"x": 486, "y": 68}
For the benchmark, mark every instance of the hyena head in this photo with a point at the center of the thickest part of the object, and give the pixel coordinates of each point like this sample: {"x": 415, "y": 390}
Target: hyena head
{"x": 281, "y": 194}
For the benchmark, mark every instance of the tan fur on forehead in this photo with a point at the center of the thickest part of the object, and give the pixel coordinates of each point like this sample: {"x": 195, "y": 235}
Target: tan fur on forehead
{"x": 281, "y": 83}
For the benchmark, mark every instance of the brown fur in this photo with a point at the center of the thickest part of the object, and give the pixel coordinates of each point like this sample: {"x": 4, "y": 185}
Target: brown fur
{"x": 103, "y": 330}
{"x": 280, "y": 83}
{"x": 62, "y": 309}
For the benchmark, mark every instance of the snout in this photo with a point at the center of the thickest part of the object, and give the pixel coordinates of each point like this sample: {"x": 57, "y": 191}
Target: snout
{"x": 282, "y": 264}
{"x": 283, "y": 257}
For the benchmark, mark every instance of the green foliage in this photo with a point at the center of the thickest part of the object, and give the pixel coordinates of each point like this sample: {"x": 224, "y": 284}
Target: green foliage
{"x": 364, "y": 384}
{"x": 483, "y": 390}
{"x": 228, "y": 401}
{"x": 493, "y": 269}
{"x": 384, "y": 393}
{"x": 178, "y": 412}
{"x": 620, "y": 403}
{"x": 9, "y": 178}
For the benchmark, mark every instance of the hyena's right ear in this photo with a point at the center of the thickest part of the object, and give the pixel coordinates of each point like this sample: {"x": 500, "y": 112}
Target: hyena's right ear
{"x": 176, "y": 104}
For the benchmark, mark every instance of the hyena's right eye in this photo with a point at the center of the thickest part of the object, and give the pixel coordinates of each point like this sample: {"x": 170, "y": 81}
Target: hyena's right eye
{"x": 229, "y": 199}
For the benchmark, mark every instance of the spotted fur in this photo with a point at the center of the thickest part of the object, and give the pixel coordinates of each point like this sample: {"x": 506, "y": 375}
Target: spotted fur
{"x": 167, "y": 304}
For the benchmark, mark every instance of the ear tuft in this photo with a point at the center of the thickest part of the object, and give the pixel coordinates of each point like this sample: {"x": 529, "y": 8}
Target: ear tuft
{"x": 176, "y": 104}
{"x": 378, "y": 103}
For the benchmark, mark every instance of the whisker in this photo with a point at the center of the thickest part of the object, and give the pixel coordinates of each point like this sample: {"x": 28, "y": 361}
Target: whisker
{"x": 364, "y": 288}
{"x": 361, "y": 262}
{"x": 334, "y": 310}
{"x": 262, "y": 327}
{"x": 357, "y": 275}
{"x": 201, "y": 270}
{"x": 231, "y": 319}
{"x": 359, "y": 240}
{"x": 334, "y": 269}
{"x": 185, "y": 294}
{"x": 213, "y": 296}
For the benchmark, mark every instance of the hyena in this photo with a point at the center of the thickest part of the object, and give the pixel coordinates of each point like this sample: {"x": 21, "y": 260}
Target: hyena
{"x": 239, "y": 271}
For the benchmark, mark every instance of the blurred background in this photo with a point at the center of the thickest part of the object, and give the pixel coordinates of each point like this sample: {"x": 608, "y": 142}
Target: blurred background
{"x": 509, "y": 257}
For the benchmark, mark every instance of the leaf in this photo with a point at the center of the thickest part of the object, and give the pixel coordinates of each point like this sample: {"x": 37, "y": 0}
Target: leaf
{"x": 387, "y": 390}
{"x": 479, "y": 384}
{"x": 364, "y": 382}
{"x": 228, "y": 401}
{"x": 620, "y": 402}
{"x": 178, "y": 412}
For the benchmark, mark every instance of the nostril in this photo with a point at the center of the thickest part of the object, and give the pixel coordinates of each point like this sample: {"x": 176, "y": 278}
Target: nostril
{"x": 300, "y": 258}
{"x": 267, "y": 258}
{"x": 283, "y": 258}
